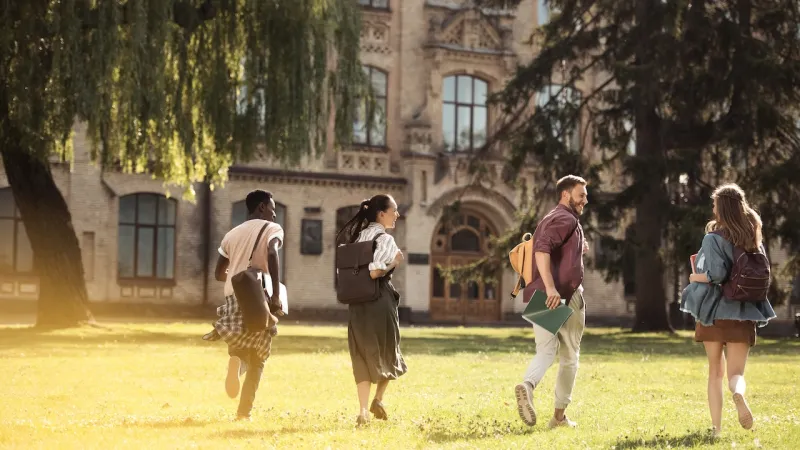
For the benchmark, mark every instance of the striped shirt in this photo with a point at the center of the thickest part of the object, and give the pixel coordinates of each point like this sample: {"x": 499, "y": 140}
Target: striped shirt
{"x": 385, "y": 249}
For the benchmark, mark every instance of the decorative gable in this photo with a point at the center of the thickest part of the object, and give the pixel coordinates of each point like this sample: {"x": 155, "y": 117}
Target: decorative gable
{"x": 468, "y": 30}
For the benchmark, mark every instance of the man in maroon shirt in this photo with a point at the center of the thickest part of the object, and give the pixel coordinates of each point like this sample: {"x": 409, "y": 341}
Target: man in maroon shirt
{"x": 558, "y": 249}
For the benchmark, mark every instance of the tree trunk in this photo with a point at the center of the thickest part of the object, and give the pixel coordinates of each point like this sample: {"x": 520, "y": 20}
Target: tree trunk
{"x": 651, "y": 299}
{"x": 652, "y": 200}
{"x": 63, "y": 301}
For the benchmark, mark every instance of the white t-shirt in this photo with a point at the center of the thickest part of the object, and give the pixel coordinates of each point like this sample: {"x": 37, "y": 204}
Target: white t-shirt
{"x": 238, "y": 243}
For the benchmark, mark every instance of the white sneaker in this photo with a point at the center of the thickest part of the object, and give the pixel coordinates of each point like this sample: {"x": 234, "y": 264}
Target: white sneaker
{"x": 554, "y": 423}
{"x": 232, "y": 379}
{"x": 745, "y": 415}
{"x": 524, "y": 394}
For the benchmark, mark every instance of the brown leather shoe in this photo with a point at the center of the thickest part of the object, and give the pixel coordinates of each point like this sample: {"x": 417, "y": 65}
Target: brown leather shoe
{"x": 377, "y": 409}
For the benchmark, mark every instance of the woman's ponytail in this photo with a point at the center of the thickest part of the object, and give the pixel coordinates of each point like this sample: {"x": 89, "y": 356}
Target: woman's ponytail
{"x": 367, "y": 212}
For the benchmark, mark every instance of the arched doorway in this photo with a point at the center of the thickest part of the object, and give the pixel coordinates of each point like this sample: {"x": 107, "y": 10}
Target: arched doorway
{"x": 463, "y": 240}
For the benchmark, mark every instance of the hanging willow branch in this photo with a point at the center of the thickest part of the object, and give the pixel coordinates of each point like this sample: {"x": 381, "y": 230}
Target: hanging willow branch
{"x": 181, "y": 88}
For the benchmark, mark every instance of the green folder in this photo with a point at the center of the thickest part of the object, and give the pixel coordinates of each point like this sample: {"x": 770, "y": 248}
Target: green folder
{"x": 538, "y": 313}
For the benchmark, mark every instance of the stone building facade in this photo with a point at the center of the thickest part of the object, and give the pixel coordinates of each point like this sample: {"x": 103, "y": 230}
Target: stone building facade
{"x": 432, "y": 63}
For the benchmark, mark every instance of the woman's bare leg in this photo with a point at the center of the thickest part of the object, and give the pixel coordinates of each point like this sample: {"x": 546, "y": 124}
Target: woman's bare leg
{"x": 716, "y": 372}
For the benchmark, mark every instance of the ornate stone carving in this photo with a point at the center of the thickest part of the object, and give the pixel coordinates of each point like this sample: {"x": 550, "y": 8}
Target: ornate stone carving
{"x": 418, "y": 138}
{"x": 363, "y": 162}
{"x": 375, "y": 37}
{"x": 469, "y": 30}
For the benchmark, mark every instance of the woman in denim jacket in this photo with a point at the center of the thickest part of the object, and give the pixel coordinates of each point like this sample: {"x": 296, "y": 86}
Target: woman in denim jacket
{"x": 726, "y": 327}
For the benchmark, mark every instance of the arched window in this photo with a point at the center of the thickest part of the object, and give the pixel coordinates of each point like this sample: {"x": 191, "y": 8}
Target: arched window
{"x": 239, "y": 215}
{"x": 464, "y": 112}
{"x": 146, "y": 239}
{"x": 375, "y": 135}
{"x": 16, "y": 255}
{"x": 563, "y": 96}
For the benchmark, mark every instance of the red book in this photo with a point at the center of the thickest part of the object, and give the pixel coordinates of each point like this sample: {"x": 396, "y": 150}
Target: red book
{"x": 692, "y": 262}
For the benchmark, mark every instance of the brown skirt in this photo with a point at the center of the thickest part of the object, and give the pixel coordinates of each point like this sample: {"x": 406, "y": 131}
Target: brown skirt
{"x": 737, "y": 331}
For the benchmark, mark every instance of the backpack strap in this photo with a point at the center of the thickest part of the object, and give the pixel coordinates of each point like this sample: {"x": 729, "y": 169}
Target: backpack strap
{"x": 255, "y": 245}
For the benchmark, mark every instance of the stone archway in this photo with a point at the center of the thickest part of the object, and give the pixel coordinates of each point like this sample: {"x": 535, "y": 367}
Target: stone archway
{"x": 462, "y": 240}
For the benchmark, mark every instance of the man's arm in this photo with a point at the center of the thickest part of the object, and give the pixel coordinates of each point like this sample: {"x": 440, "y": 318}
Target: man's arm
{"x": 221, "y": 269}
{"x": 543, "y": 264}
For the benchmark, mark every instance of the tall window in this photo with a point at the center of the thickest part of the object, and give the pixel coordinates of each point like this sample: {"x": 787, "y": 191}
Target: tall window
{"x": 375, "y": 135}
{"x": 146, "y": 237}
{"x": 563, "y": 98}
{"x": 16, "y": 255}
{"x": 464, "y": 112}
{"x": 377, "y": 4}
{"x": 239, "y": 215}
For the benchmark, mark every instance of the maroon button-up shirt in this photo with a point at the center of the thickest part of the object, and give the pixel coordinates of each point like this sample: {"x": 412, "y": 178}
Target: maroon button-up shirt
{"x": 560, "y": 234}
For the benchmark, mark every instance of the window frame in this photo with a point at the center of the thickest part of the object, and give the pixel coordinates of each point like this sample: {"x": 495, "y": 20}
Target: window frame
{"x": 575, "y": 137}
{"x": 457, "y": 104}
{"x": 16, "y": 219}
{"x": 370, "y": 4}
{"x": 155, "y": 227}
{"x": 369, "y": 69}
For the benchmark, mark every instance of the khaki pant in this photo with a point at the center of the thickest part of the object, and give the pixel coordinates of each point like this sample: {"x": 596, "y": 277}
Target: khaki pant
{"x": 567, "y": 345}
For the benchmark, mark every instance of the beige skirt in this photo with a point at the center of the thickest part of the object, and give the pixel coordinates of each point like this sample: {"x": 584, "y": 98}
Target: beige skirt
{"x": 736, "y": 331}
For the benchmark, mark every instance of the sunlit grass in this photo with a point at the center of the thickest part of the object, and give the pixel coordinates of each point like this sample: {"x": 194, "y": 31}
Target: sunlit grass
{"x": 148, "y": 386}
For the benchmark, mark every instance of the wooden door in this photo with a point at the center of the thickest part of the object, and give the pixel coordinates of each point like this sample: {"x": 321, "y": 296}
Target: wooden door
{"x": 460, "y": 242}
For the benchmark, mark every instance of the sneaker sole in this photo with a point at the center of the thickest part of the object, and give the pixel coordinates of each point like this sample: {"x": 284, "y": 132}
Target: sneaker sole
{"x": 745, "y": 415}
{"x": 232, "y": 379}
{"x": 524, "y": 408}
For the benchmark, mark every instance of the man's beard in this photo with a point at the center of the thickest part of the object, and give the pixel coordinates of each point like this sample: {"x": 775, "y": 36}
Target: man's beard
{"x": 574, "y": 205}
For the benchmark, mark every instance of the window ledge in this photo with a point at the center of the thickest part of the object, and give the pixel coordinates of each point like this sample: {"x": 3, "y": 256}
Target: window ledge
{"x": 376, "y": 10}
{"x": 25, "y": 277}
{"x": 369, "y": 148}
{"x": 157, "y": 282}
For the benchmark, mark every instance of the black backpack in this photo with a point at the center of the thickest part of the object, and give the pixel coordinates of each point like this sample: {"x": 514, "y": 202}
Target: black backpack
{"x": 352, "y": 272}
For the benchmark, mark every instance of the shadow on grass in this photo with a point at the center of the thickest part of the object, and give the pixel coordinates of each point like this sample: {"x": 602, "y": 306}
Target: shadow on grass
{"x": 471, "y": 428}
{"x": 692, "y": 439}
{"x": 169, "y": 423}
{"x": 313, "y": 424}
{"x": 433, "y": 341}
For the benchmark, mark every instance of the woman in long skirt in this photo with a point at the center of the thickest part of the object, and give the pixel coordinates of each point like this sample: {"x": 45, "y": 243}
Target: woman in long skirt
{"x": 373, "y": 330}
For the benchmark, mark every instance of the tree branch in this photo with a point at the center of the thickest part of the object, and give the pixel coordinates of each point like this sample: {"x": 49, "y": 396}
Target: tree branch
{"x": 184, "y": 14}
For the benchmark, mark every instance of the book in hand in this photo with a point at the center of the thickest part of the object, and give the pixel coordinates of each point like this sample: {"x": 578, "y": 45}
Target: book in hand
{"x": 692, "y": 260}
{"x": 538, "y": 313}
{"x": 282, "y": 295}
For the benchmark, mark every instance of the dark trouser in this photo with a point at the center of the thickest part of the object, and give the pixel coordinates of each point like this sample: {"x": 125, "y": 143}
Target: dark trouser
{"x": 255, "y": 367}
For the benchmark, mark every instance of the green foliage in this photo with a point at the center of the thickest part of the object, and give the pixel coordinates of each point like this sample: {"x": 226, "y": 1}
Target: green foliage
{"x": 715, "y": 86}
{"x": 182, "y": 88}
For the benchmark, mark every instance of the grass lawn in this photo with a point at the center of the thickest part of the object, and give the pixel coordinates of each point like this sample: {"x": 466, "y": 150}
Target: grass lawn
{"x": 153, "y": 386}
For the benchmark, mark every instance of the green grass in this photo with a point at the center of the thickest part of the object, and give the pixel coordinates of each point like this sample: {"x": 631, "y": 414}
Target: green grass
{"x": 153, "y": 386}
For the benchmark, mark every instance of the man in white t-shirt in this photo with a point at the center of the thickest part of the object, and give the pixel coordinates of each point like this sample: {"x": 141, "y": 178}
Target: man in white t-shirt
{"x": 247, "y": 349}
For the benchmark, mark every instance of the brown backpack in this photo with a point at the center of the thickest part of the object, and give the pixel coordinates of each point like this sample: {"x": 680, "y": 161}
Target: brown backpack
{"x": 749, "y": 278}
{"x": 250, "y": 295}
{"x": 352, "y": 267}
{"x": 521, "y": 258}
